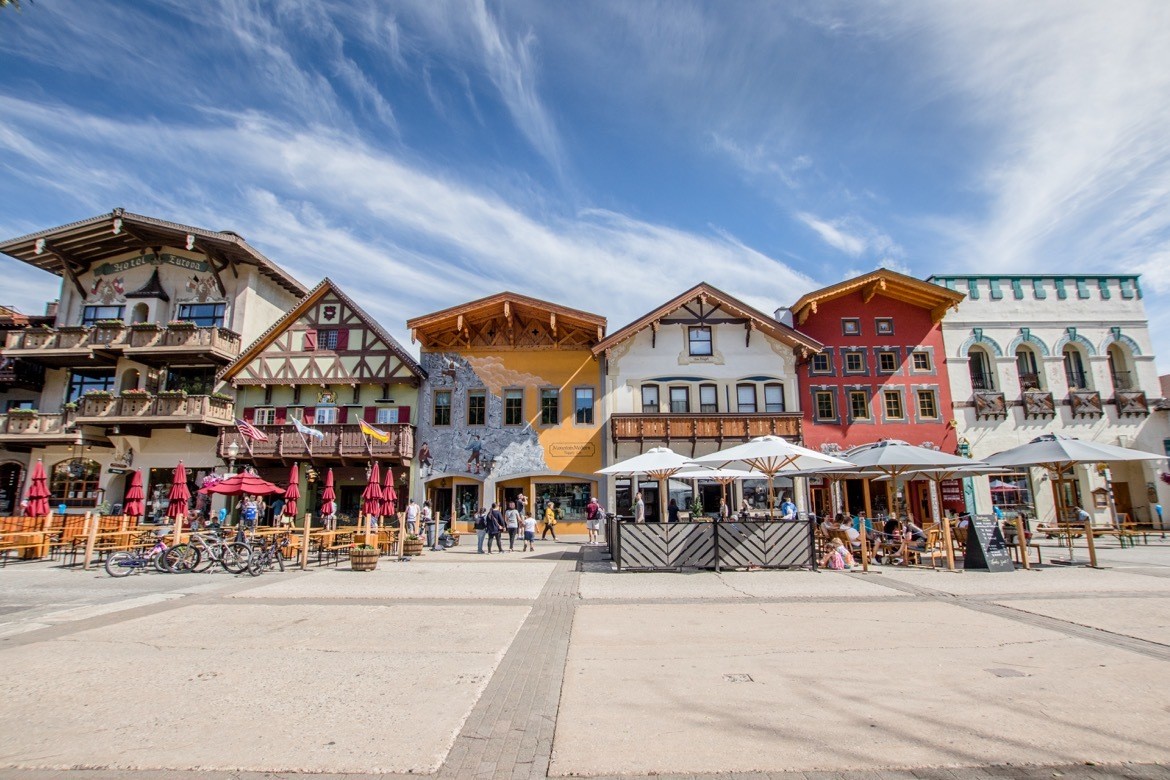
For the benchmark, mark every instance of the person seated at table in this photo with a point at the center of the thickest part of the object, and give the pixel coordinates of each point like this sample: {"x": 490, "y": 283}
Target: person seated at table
{"x": 887, "y": 540}
{"x": 913, "y": 539}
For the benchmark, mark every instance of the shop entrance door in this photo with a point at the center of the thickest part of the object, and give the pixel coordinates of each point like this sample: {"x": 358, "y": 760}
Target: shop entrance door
{"x": 441, "y": 503}
{"x": 10, "y": 474}
{"x": 1122, "y": 500}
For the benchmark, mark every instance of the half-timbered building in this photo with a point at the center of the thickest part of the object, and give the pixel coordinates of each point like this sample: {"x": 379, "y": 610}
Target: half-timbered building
{"x": 149, "y": 311}
{"x": 510, "y": 405}
{"x": 699, "y": 373}
{"x": 330, "y": 366}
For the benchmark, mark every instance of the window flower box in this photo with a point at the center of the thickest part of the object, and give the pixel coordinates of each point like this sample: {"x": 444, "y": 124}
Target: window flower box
{"x": 181, "y": 325}
{"x": 146, "y": 326}
{"x": 98, "y": 395}
{"x": 135, "y": 392}
{"x": 23, "y": 412}
{"x": 172, "y": 393}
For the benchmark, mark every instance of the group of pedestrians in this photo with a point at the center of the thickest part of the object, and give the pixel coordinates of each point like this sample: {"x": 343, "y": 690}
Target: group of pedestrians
{"x": 492, "y": 524}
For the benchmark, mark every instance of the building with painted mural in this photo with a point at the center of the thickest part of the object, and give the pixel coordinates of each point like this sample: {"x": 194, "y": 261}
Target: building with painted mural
{"x": 510, "y": 406}
{"x": 882, "y": 375}
{"x": 701, "y": 372}
{"x": 330, "y": 366}
{"x": 1071, "y": 355}
{"x": 149, "y": 311}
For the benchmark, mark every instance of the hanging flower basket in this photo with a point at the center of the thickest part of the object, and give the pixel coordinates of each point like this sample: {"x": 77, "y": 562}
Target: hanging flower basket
{"x": 363, "y": 558}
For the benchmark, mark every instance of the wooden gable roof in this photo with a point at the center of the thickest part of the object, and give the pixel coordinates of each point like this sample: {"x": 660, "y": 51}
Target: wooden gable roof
{"x": 507, "y": 321}
{"x": 70, "y": 250}
{"x": 890, "y": 284}
{"x": 703, "y": 295}
{"x": 277, "y": 358}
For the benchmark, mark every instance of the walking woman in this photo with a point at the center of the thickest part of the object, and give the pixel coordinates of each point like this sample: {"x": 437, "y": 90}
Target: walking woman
{"x": 495, "y": 527}
{"x": 512, "y": 519}
{"x": 550, "y": 521}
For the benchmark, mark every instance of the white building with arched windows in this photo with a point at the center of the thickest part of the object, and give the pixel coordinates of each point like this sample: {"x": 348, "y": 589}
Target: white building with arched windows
{"x": 1071, "y": 355}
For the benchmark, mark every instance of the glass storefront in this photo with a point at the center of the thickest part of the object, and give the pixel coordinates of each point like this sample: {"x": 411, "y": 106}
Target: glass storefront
{"x": 570, "y": 497}
{"x": 755, "y": 492}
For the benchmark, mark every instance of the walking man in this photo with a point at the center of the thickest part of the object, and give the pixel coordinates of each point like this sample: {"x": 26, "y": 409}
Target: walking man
{"x": 495, "y": 527}
{"x": 480, "y": 529}
{"x": 428, "y": 518}
{"x": 412, "y": 517}
{"x": 592, "y": 519}
{"x": 512, "y": 520}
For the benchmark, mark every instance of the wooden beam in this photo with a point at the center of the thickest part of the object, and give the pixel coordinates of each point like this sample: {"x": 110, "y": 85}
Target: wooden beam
{"x": 871, "y": 290}
{"x": 459, "y": 323}
{"x": 212, "y": 256}
{"x": 552, "y": 321}
{"x": 938, "y": 312}
{"x": 67, "y": 269}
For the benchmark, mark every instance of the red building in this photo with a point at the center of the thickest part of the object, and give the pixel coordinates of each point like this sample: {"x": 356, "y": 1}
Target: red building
{"x": 882, "y": 375}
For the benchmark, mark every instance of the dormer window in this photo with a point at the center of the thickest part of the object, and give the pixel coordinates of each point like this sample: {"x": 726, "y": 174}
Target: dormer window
{"x": 699, "y": 339}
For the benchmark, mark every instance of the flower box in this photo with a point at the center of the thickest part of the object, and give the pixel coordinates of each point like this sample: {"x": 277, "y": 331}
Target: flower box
{"x": 23, "y": 412}
{"x": 363, "y": 558}
{"x": 135, "y": 392}
{"x": 172, "y": 393}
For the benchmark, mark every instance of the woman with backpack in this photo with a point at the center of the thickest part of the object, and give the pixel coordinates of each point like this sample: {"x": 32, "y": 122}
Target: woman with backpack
{"x": 512, "y": 521}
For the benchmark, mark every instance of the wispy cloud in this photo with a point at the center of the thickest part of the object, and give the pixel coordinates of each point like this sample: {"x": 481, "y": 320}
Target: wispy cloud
{"x": 854, "y": 236}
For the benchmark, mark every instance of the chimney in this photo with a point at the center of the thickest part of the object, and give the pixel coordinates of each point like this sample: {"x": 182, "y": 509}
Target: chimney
{"x": 784, "y": 315}
{"x": 51, "y": 308}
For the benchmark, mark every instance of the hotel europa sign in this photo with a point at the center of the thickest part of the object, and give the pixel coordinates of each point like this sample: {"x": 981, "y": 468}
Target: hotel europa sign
{"x": 152, "y": 259}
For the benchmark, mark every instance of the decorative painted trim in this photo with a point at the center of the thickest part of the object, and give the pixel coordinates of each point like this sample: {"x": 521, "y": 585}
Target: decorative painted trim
{"x": 1072, "y": 337}
{"x": 1027, "y": 337}
{"x": 1117, "y": 337}
{"x": 977, "y": 337}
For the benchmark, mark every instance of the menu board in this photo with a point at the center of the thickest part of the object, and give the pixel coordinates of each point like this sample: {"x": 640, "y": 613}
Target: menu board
{"x": 986, "y": 547}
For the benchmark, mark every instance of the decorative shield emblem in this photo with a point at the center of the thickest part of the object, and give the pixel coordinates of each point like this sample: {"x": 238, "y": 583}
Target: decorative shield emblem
{"x": 330, "y": 312}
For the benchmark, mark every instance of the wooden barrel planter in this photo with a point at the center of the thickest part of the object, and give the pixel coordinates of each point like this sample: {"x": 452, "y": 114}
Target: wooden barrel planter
{"x": 363, "y": 559}
{"x": 412, "y": 547}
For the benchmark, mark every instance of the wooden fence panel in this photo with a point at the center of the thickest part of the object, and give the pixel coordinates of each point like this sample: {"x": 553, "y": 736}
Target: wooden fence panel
{"x": 736, "y": 545}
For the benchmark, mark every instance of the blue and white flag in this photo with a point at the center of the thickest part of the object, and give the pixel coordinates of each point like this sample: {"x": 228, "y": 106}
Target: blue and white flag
{"x": 305, "y": 430}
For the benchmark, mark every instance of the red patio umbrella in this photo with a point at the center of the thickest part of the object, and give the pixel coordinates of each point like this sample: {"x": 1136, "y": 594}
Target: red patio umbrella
{"x": 38, "y": 492}
{"x": 389, "y": 496}
{"x": 180, "y": 494}
{"x": 133, "y": 504}
{"x": 328, "y": 496}
{"x": 243, "y": 484}
{"x": 292, "y": 493}
{"x": 372, "y": 497}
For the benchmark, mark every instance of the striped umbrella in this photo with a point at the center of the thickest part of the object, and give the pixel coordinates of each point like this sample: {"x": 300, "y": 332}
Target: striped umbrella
{"x": 134, "y": 496}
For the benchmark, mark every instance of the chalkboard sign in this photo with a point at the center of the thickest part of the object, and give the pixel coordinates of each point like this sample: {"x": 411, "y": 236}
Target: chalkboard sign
{"x": 986, "y": 548}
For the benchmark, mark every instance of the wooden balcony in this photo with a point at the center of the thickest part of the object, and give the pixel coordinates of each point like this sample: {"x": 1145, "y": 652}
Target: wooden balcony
{"x": 1038, "y": 403}
{"x": 23, "y": 431}
{"x": 1085, "y": 403}
{"x": 154, "y": 411}
{"x": 703, "y": 427}
{"x": 1131, "y": 403}
{"x": 21, "y": 374}
{"x": 343, "y": 443}
{"x": 161, "y": 345}
{"x": 101, "y": 345}
{"x": 990, "y": 404}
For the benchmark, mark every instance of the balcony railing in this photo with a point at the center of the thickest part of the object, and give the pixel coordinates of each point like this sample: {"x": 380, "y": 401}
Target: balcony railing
{"x": 1076, "y": 379}
{"x": 150, "y": 343}
{"x": 343, "y": 442}
{"x": 1122, "y": 380}
{"x": 706, "y": 427}
{"x": 35, "y": 428}
{"x": 1029, "y": 381}
{"x": 156, "y": 411}
{"x": 21, "y": 373}
{"x": 981, "y": 382}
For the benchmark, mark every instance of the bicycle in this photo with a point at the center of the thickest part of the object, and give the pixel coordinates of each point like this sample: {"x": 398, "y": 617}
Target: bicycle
{"x": 267, "y": 556}
{"x": 123, "y": 563}
{"x": 204, "y": 550}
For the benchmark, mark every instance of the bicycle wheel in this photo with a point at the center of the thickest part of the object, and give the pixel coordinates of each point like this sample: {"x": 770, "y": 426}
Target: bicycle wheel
{"x": 235, "y": 556}
{"x": 255, "y": 565}
{"x": 121, "y": 563}
{"x": 206, "y": 557}
{"x": 181, "y": 558}
{"x": 279, "y": 556}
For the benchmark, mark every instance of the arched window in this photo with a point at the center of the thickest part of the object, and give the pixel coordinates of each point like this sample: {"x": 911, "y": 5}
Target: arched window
{"x": 1119, "y": 368}
{"x": 75, "y": 483}
{"x": 130, "y": 379}
{"x": 140, "y": 312}
{"x": 1028, "y": 369}
{"x": 1074, "y": 369}
{"x": 979, "y": 364}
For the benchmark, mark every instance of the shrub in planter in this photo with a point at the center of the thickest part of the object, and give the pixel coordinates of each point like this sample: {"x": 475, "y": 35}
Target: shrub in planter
{"x": 172, "y": 394}
{"x": 98, "y": 395}
{"x": 23, "y": 412}
{"x": 363, "y": 557}
{"x": 135, "y": 392}
{"x": 181, "y": 325}
{"x": 222, "y": 397}
{"x": 412, "y": 545}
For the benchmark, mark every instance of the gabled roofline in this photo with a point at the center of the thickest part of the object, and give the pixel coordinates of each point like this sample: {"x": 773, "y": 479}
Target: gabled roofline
{"x": 316, "y": 294}
{"x": 769, "y": 325}
{"x": 483, "y": 303}
{"x": 20, "y": 248}
{"x": 877, "y": 281}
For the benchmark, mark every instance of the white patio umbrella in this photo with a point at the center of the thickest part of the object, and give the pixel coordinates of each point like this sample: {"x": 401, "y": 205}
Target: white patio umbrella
{"x": 1059, "y": 454}
{"x": 723, "y": 477}
{"x": 771, "y": 455}
{"x": 659, "y": 463}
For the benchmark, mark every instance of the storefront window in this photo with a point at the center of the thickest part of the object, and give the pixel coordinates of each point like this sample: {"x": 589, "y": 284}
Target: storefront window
{"x": 755, "y": 491}
{"x": 570, "y": 497}
{"x": 466, "y": 501}
{"x": 75, "y": 483}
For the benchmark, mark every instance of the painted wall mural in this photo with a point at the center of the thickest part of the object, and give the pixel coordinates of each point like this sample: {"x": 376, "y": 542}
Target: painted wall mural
{"x": 491, "y": 450}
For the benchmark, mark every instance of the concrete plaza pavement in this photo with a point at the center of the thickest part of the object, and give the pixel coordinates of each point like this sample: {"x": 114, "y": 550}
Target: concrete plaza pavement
{"x": 550, "y": 664}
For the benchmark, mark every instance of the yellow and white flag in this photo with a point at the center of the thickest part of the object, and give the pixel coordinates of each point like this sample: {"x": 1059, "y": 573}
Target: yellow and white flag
{"x": 373, "y": 432}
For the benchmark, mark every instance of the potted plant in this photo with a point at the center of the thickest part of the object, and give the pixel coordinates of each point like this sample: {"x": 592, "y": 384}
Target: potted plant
{"x": 363, "y": 557}
{"x": 172, "y": 393}
{"x": 181, "y": 325}
{"x": 412, "y": 545}
{"x": 96, "y": 403}
{"x": 135, "y": 392}
{"x": 21, "y": 420}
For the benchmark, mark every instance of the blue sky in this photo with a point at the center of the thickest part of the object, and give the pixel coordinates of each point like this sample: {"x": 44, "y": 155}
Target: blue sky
{"x": 605, "y": 155}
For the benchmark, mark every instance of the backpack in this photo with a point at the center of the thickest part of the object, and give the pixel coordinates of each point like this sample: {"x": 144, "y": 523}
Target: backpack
{"x": 480, "y": 522}
{"x": 836, "y": 560}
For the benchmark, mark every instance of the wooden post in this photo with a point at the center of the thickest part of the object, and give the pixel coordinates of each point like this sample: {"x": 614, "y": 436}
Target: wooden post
{"x": 305, "y": 541}
{"x": 948, "y": 542}
{"x": 46, "y": 532}
{"x": 177, "y": 536}
{"x": 865, "y": 497}
{"x": 400, "y": 542}
{"x": 864, "y": 544}
{"x": 1022, "y": 542}
{"x": 1091, "y": 543}
{"x": 91, "y": 528}
{"x": 125, "y": 524}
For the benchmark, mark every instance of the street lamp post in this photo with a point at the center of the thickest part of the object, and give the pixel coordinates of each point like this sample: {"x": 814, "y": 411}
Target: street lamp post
{"x": 233, "y": 450}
